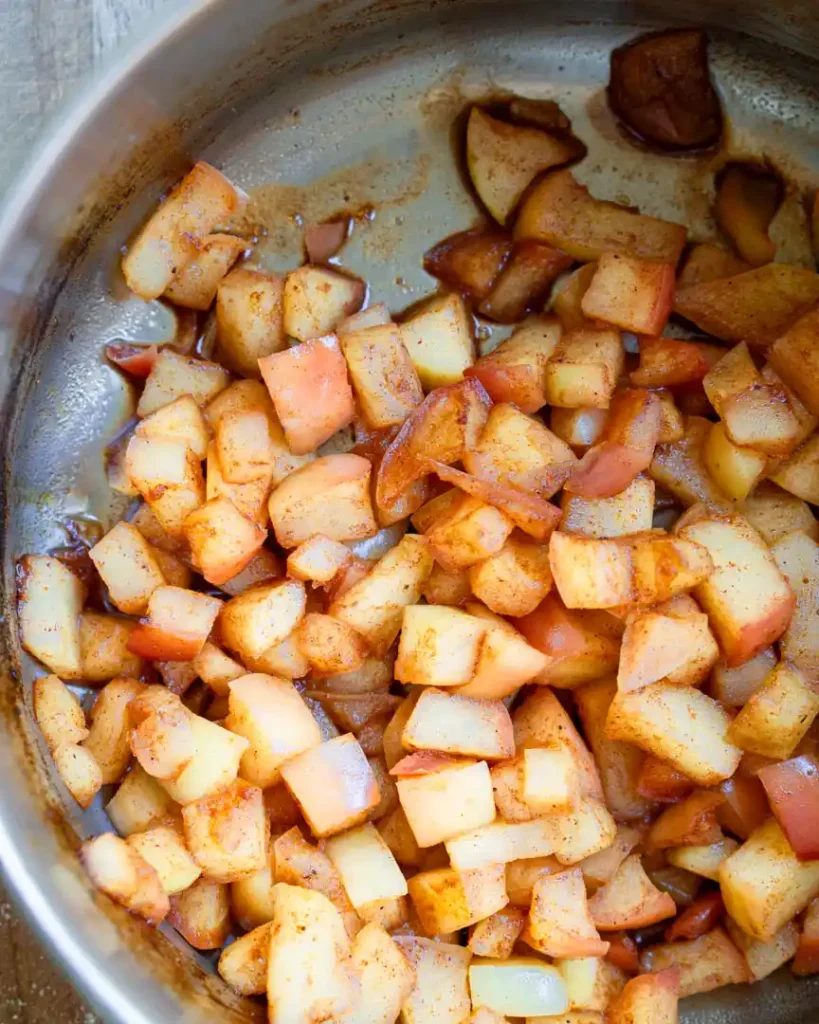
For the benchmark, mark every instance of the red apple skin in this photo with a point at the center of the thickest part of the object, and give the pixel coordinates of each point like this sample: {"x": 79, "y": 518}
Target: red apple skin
{"x": 423, "y": 762}
{"x": 704, "y": 914}
{"x": 135, "y": 360}
{"x": 148, "y": 641}
{"x": 623, "y": 953}
{"x": 793, "y": 791}
{"x": 517, "y": 384}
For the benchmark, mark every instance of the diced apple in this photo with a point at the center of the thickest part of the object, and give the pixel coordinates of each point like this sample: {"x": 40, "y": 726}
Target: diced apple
{"x": 107, "y": 739}
{"x": 249, "y": 319}
{"x": 309, "y": 967}
{"x": 516, "y": 370}
{"x": 119, "y": 871}
{"x": 591, "y": 573}
{"x": 665, "y": 362}
{"x": 629, "y": 511}
{"x": 567, "y": 297}
{"x": 735, "y": 470}
{"x": 733, "y": 686}
{"x": 630, "y": 293}
{"x": 439, "y": 340}
{"x": 799, "y": 473}
{"x": 792, "y": 787}
{"x": 560, "y": 924}
{"x": 59, "y": 713}
{"x": 469, "y": 261}
{"x": 793, "y": 355}
{"x": 680, "y": 725}
{"x": 174, "y": 375}
{"x": 330, "y": 495}
{"x": 600, "y": 868}
{"x": 705, "y": 861}
{"x": 441, "y": 994}
{"x": 747, "y": 599}
{"x": 317, "y": 299}
{"x": 333, "y": 784}
{"x": 447, "y": 803}
{"x": 658, "y": 646}
{"x": 514, "y": 580}
{"x": 579, "y": 428}
{"x": 386, "y": 978}
{"x": 775, "y": 513}
{"x": 180, "y": 418}
{"x": 79, "y": 772}
{"x": 806, "y": 961}
{"x": 692, "y": 822}
{"x": 503, "y": 159}
{"x": 128, "y": 566}
{"x": 177, "y": 625}
{"x": 591, "y": 983}
{"x": 584, "y": 369}
{"x": 49, "y": 602}
{"x": 764, "y": 885}
{"x": 104, "y": 648}
{"x": 756, "y": 306}
{"x": 495, "y": 936}
{"x": 446, "y": 900}
{"x": 630, "y": 900}
{"x": 166, "y": 243}
{"x": 439, "y": 646}
{"x": 505, "y": 663}
{"x": 662, "y": 782}
{"x": 140, "y": 803}
{"x": 223, "y": 541}
{"x": 227, "y": 832}
{"x": 777, "y": 715}
{"x": 310, "y": 391}
{"x": 550, "y": 782}
{"x": 524, "y": 281}
{"x": 168, "y": 476}
{"x": 164, "y": 849}
{"x": 648, "y": 999}
{"x": 678, "y": 467}
{"x": 763, "y": 958}
{"x": 243, "y": 964}
{"x": 560, "y": 211}
{"x": 501, "y": 842}
{"x": 383, "y": 376}
{"x": 459, "y": 725}
{"x": 250, "y": 498}
{"x": 201, "y": 914}
{"x": 704, "y": 964}
{"x": 519, "y": 986}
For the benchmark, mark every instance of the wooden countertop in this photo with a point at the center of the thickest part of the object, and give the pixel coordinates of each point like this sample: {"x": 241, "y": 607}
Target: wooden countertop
{"x": 47, "y": 47}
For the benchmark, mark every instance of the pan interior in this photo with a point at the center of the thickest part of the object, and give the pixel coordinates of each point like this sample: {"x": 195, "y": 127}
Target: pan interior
{"x": 374, "y": 131}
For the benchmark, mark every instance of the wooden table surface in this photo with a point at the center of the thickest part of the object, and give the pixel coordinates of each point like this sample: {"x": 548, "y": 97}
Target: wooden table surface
{"x": 48, "y": 48}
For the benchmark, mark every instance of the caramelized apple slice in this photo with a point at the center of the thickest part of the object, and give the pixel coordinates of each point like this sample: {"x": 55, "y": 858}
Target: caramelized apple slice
{"x": 747, "y": 200}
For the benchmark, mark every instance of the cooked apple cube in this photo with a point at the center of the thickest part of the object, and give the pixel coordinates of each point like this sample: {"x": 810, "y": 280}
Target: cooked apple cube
{"x": 250, "y": 498}
{"x": 680, "y": 725}
{"x": 459, "y": 725}
{"x": 448, "y": 802}
{"x": 168, "y": 241}
{"x": 495, "y": 936}
{"x": 333, "y": 784}
{"x": 386, "y": 977}
{"x": 329, "y": 496}
{"x": 243, "y": 964}
{"x": 584, "y": 369}
{"x": 128, "y": 566}
{"x": 168, "y": 476}
{"x": 678, "y": 467}
{"x": 104, "y": 648}
{"x": 756, "y": 306}
{"x": 560, "y": 211}
{"x": 223, "y": 541}
{"x": 441, "y": 994}
{"x": 439, "y": 646}
{"x": 630, "y": 511}
{"x": 201, "y": 914}
{"x": 665, "y": 362}
{"x": 514, "y": 580}
{"x": 704, "y": 964}
{"x": 775, "y": 513}
{"x": 520, "y": 986}
{"x": 503, "y": 159}
{"x": 384, "y": 378}
{"x": 215, "y": 762}
{"x": 439, "y": 341}
{"x": 518, "y": 451}
{"x": 733, "y": 686}
{"x": 579, "y": 428}
{"x": 309, "y": 965}
{"x": 658, "y": 646}
{"x": 516, "y": 370}
{"x": 619, "y": 764}
{"x": 735, "y": 470}
{"x": 366, "y": 865}
{"x": 777, "y": 715}
{"x": 550, "y": 783}
{"x": 805, "y": 962}
{"x": 798, "y": 557}
{"x": 524, "y": 281}
{"x": 591, "y": 573}
{"x": 705, "y": 861}
{"x": 444, "y": 586}
{"x": 735, "y": 373}
{"x": 59, "y": 713}
{"x": 799, "y": 473}
{"x": 181, "y": 418}
{"x": 665, "y": 567}
{"x": 630, "y": 293}
{"x": 505, "y": 663}
{"x": 297, "y": 862}
{"x": 591, "y": 984}
{"x": 318, "y": 559}
{"x": 139, "y": 804}
{"x": 648, "y": 999}
{"x": 794, "y": 357}
{"x": 763, "y": 418}
{"x": 177, "y": 625}
{"x": 227, "y": 832}
{"x": 262, "y": 617}
{"x": 79, "y": 771}
{"x": 541, "y": 721}
{"x": 446, "y": 901}
{"x": 630, "y": 900}
{"x": 600, "y": 868}
{"x": 310, "y": 391}
{"x": 559, "y": 921}
{"x": 468, "y": 532}
{"x": 374, "y": 606}
{"x": 747, "y": 599}
{"x": 49, "y": 602}
{"x": 271, "y": 715}
{"x": 164, "y": 849}
{"x": 521, "y": 876}
{"x": 500, "y": 842}
{"x": 763, "y": 958}
{"x": 249, "y": 319}
{"x": 580, "y": 645}
{"x": 174, "y": 375}
{"x": 708, "y": 262}
{"x": 469, "y": 261}
{"x": 107, "y": 738}
{"x": 316, "y": 299}
{"x": 245, "y": 449}
{"x": 119, "y": 871}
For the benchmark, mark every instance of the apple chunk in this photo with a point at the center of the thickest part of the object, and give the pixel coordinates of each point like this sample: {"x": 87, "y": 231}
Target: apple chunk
{"x": 448, "y": 802}
{"x": 49, "y": 601}
{"x": 516, "y": 370}
{"x": 441, "y": 994}
{"x": 559, "y": 921}
{"x": 630, "y": 900}
{"x": 633, "y": 294}
{"x": 777, "y": 715}
{"x": 249, "y": 319}
{"x": 223, "y": 541}
{"x": 459, "y": 725}
{"x": 520, "y": 986}
{"x": 648, "y": 999}
{"x": 317, "y": 299}
{"x": 704, "y": 964}
{"x": 439, "y": 340}
{"x": 177, "y": 624}
{"x": 446, "y": 900}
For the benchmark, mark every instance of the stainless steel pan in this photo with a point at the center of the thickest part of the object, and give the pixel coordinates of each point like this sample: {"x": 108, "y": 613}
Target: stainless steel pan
{"x": 356, "y": 99}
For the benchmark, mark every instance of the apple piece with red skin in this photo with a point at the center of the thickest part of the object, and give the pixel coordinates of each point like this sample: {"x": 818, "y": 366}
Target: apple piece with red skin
{"x": 135, "y": 360}
{"x": 630, "y": 900}
{"x": 469, "y": 261}
{"x": 648, "y": 999}
{"x": 515, "y": 370}
{"x": 662, "y": 782}
{"x": 623, "y": 952}
{"x": 177, "y": 625}
{"x": 630, "y": 293}
{"x": 792, "y": 788}
{"x": 700, "y": 917}
{"x": 666, "y": 362}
